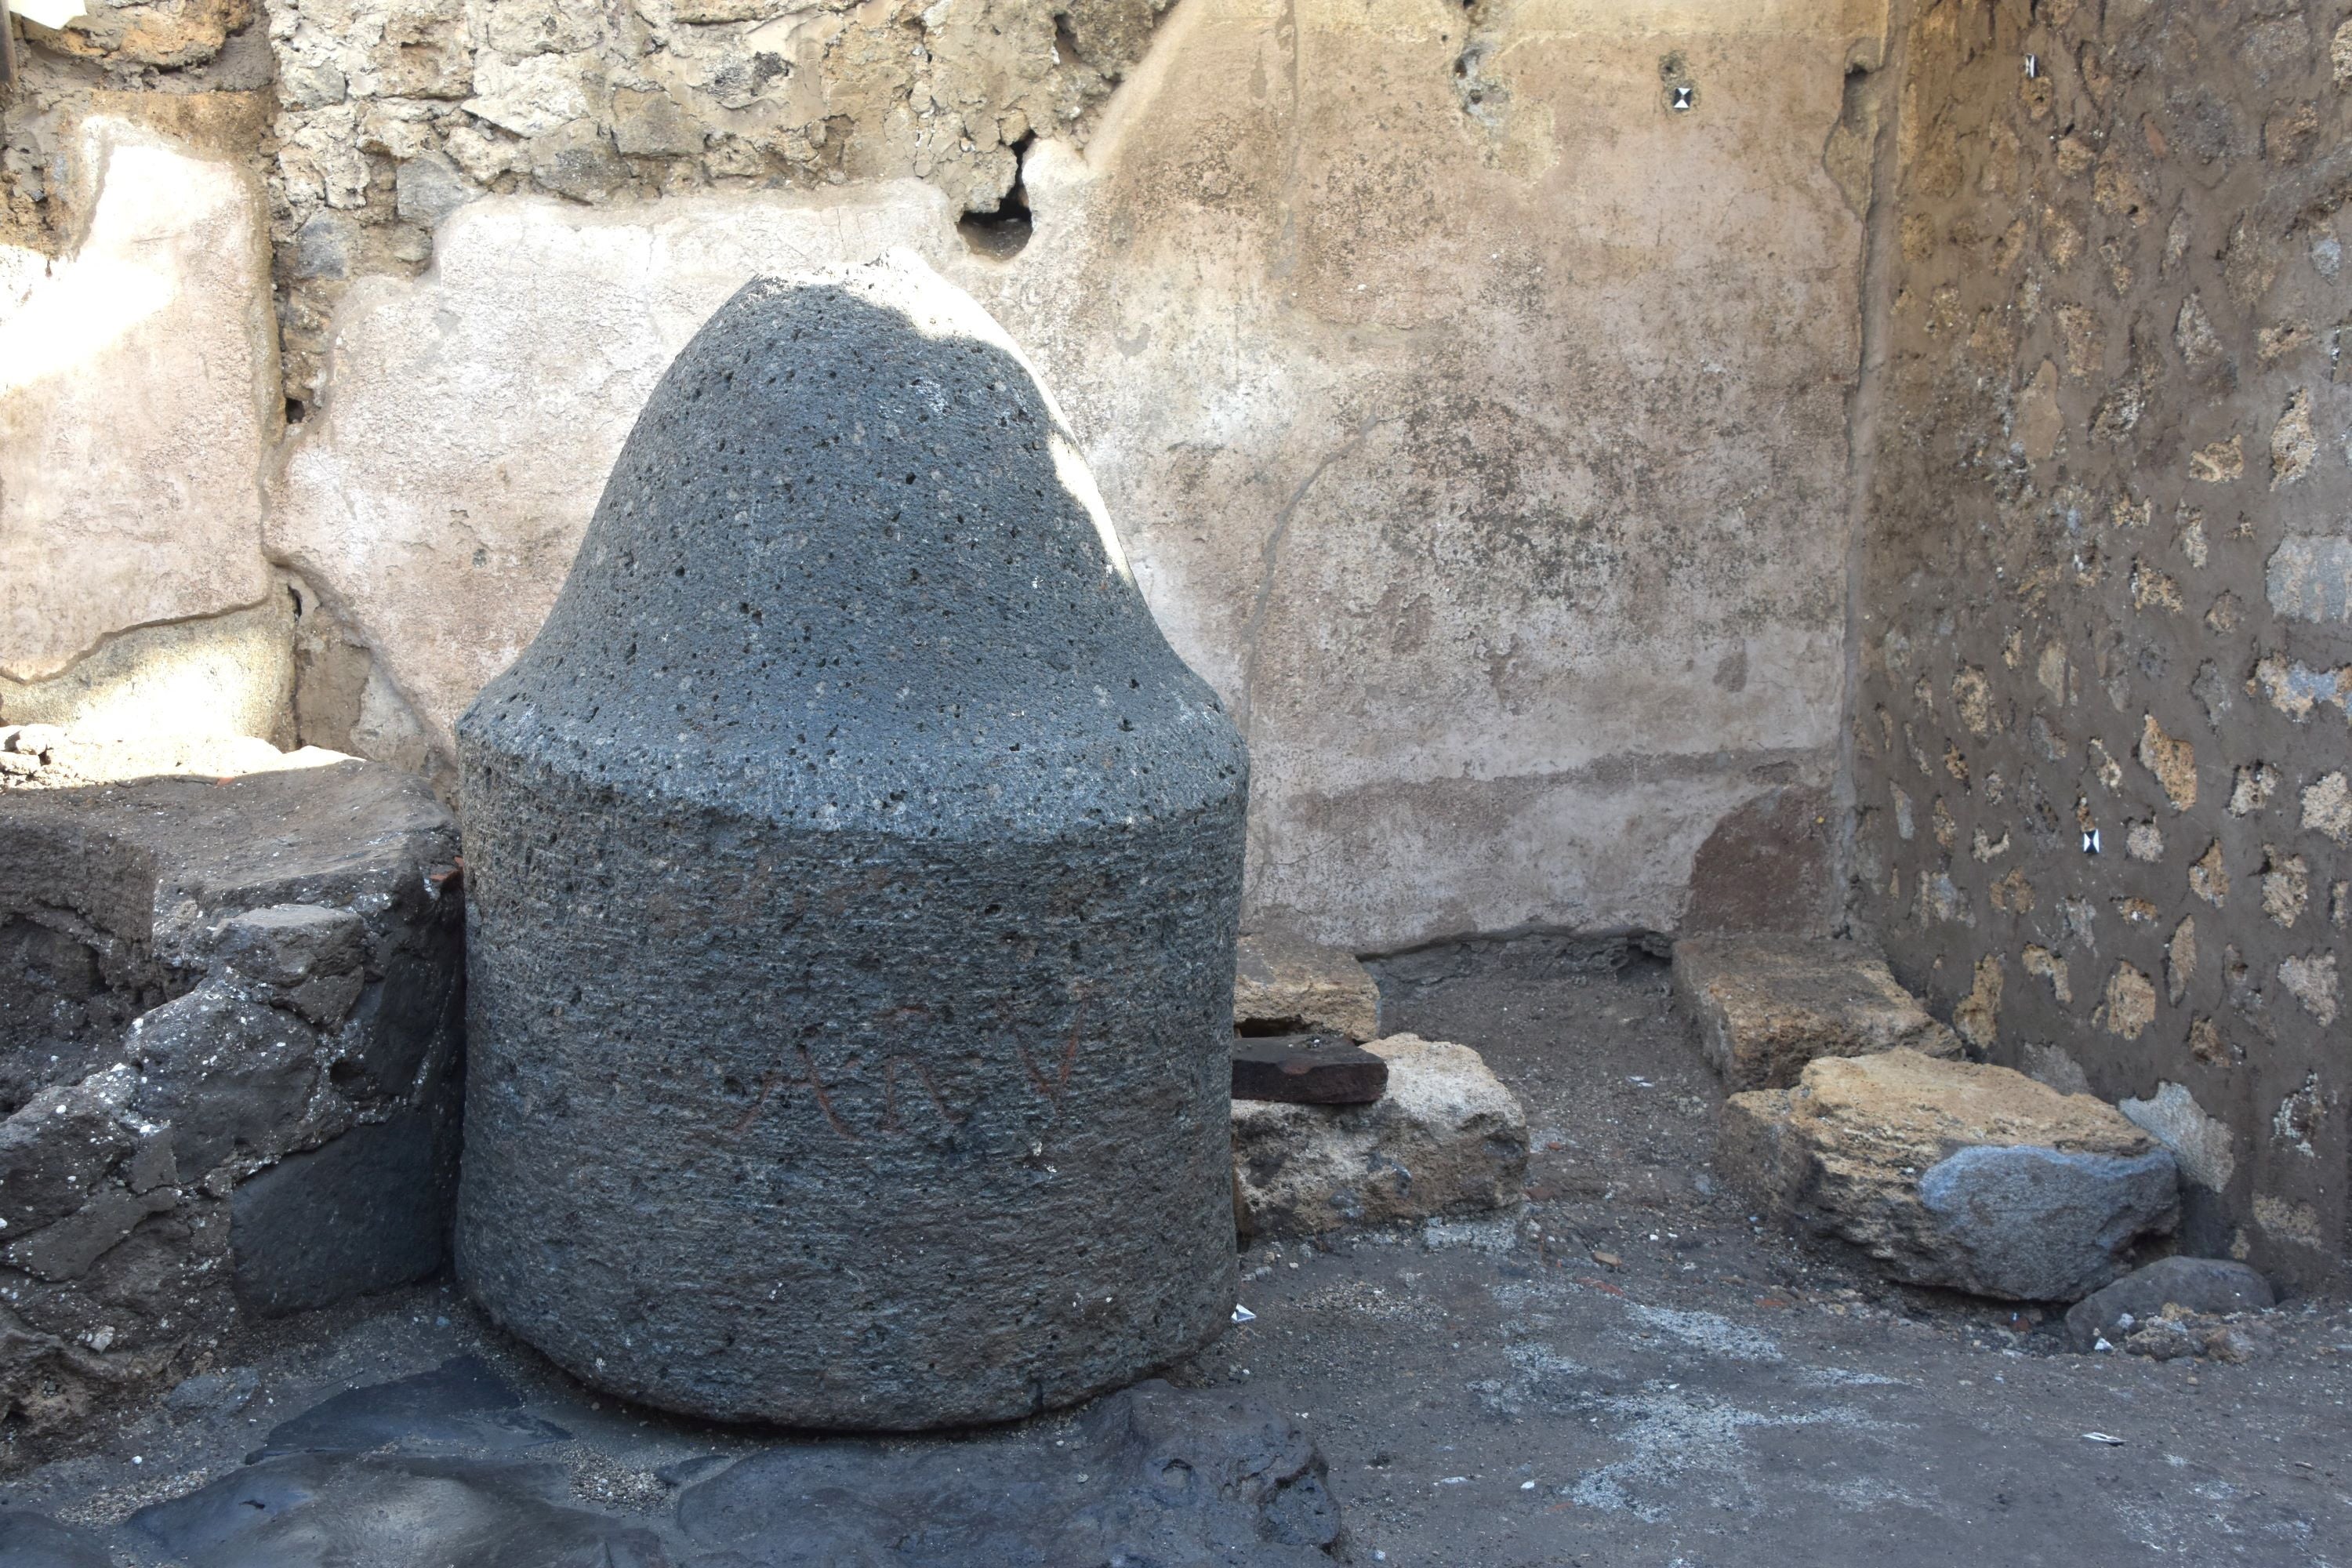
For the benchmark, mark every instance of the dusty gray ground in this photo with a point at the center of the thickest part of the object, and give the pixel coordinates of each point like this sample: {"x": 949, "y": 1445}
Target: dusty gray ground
{"x": 1718, "y": 1397}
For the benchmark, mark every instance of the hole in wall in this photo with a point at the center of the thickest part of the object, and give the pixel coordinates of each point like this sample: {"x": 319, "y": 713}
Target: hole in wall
{"x": 297, "y": 411}
{"x": 1066, "y": 42}
{"x": 1005, "y": 233}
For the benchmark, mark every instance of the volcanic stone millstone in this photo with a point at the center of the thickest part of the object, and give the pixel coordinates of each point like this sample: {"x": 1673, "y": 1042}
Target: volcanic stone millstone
{"x": 855, "y": 877}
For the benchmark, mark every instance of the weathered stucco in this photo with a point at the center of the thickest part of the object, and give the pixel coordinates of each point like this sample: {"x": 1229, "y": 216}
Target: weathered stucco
{"x": 138, "y": 397}
{"x": 2105, "y": 578}
{"x": 1488, "y": 455}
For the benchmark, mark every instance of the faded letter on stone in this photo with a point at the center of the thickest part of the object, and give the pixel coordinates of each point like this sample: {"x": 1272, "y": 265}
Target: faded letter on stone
{"x": 855, "y": 878}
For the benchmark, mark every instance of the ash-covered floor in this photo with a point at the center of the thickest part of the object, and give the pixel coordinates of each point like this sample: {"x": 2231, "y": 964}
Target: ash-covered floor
{"x": 1628, "y": 1372}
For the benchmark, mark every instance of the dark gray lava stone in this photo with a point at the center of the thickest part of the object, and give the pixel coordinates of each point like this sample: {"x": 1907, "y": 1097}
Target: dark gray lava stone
{"x": 855, "y": 873}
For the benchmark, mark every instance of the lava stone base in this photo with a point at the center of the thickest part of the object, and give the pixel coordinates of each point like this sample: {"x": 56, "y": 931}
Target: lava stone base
{"x": 841, "y": 1130}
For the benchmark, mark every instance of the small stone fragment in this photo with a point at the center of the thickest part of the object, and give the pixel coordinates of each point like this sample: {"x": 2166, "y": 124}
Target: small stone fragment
{"x": 2204, "y": 1145}
{"x": 2130, "y": 1004}
{"x": 2215, "y": 1286}
{"x": 2310, "y": 978}
{"x": 2209, "y": 879}
{"x": 2309, "y": 578}
{"x": 2328, "y": 808}
{"x": 1766, "y": 1005}
{"x": 2173, "y": 760}
{"x": 1307, "y": 1069}
{"x": 1446, "y": 1139}
{"x": 2218, "y": 463}
{"x": 1286, "y": 984}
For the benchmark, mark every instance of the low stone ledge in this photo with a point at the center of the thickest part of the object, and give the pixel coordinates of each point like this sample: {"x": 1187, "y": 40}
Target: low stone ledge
{"x": 1766, "y": 1005}
{"x": 230, "y": 1038}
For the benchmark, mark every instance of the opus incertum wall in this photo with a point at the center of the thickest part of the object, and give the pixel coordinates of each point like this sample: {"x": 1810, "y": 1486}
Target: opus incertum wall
{"x": 855, "y": 877}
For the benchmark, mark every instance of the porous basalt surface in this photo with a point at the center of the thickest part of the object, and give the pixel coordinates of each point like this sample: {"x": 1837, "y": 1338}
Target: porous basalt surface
{"x": 230, "y": 1020}
{"x": 855, "y": 876}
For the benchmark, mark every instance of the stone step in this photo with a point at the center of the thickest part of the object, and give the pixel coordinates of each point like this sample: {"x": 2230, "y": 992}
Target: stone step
{"x": 1766, "y": 1005}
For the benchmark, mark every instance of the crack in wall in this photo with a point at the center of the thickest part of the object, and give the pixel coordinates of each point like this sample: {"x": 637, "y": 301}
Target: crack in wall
{"x": 1878, "y": 213}
{"x": 1269, "y": 561}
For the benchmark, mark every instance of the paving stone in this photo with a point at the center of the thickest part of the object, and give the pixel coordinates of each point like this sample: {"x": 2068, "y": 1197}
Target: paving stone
{"x": 36, "y": 1541}
{"x": 1446, "y": 1139}
{"x": 1185, "y": 1479}
{"x": 1974, "y": 1178}
{"x": 855, "y": 869}
{"x": 1307, "y": 1069}
{"x": 2212, "y": 1286}
{"x": 1766, "y": 1005}
{"x": 459, "y": 1403}
{"x": 392, "y": 1511}
{"x": 1285, "y": 984}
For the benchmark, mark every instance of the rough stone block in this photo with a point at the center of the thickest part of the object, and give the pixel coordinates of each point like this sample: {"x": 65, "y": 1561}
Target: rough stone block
{"x": 2215, "y": 1287}
{"x": 1975, "y": 1178}
{"x": 203, "y": 974}
{"x": 857, "y": 871}
{"x": 364, "y": 1212}
{"x": 1766, "y": 1005}
{"x": 1285, "y": 984}
{"x": 1447, "y": 1137}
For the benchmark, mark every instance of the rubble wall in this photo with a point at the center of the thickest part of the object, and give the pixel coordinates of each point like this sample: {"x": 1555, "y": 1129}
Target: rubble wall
{"x": 2105, "y": 581}
{"x": 1471, "y": 386}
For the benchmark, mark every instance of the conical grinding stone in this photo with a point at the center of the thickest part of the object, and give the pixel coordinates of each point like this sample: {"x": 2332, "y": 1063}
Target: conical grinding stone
{"x": 854, "y": 874}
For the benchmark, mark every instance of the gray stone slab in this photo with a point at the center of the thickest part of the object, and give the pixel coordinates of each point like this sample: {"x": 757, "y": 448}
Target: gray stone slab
{"x": 1154, "y": 1475}
{"x": 392, "y": 1511}
{"x": 36, "y": 1541}
{"x": 459, "y": 1403}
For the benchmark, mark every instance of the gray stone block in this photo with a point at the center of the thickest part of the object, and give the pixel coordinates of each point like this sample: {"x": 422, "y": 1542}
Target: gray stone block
{"x": 855, "y": 876}
{"x": 2044, "y": 1224}
{"x": 364, "y": 1212}
{"x": 2212, "y": 1286}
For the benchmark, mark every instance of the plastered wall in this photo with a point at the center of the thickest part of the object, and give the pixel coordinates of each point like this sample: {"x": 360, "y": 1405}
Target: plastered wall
{"x": 1477, "y": 418}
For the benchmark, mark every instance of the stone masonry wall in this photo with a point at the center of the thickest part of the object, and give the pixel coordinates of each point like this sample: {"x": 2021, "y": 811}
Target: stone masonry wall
{"x": 390, "y": 113}
{"x": 2106, "y": 577}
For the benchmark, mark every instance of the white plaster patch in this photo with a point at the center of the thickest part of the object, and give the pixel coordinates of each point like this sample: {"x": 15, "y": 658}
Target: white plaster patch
{"x": 2310, "y": 577}
{"x": 138, "y": 397}
{"x": 2202, "y": 1144}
